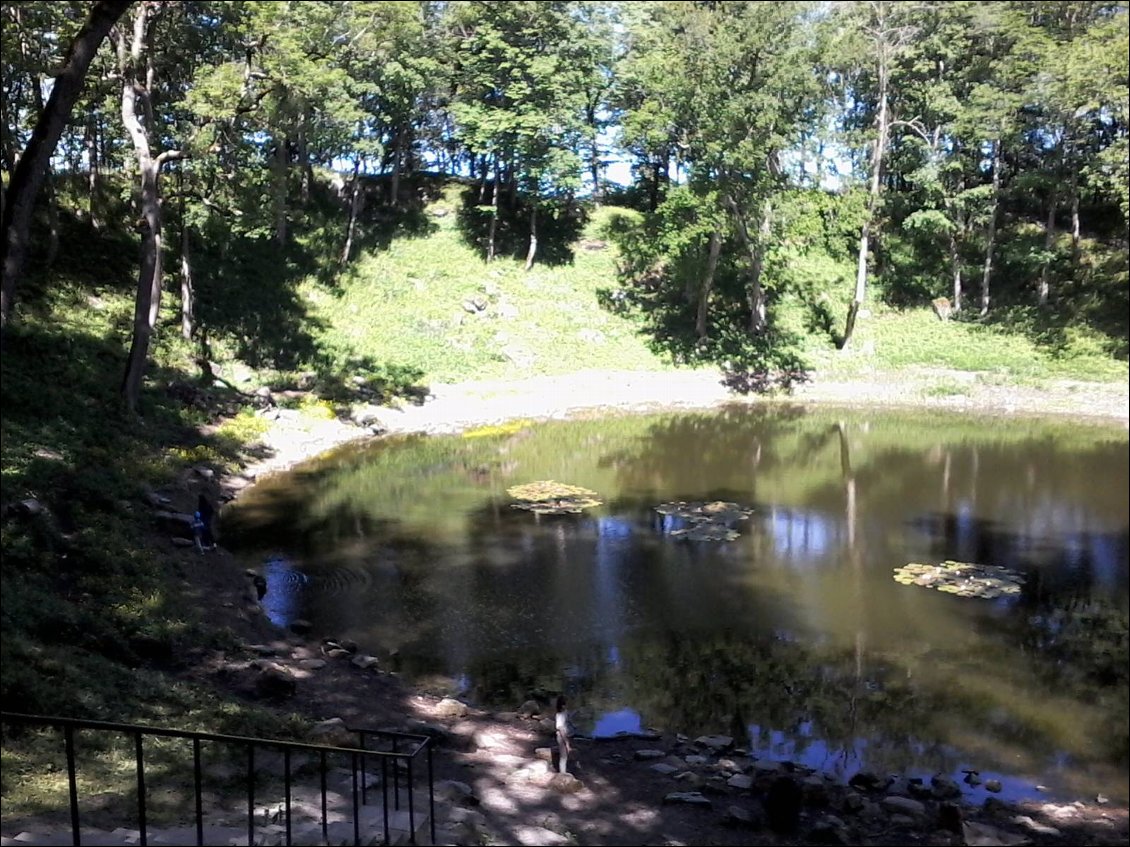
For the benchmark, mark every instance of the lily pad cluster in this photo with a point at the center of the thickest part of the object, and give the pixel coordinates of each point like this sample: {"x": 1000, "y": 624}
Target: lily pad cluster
{"x": 708, "y": 521}
{"x": 962, "y": 578}
{"x": 549, "y": 497}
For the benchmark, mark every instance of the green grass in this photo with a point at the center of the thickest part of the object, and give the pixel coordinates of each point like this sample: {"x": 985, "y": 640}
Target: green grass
{"x": 405, "y": 306}
{"x": 893, "y": 340}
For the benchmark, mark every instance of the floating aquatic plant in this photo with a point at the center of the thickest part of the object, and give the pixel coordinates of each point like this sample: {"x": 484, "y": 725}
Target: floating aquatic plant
{"x": 549, "y": 497}
{"x": 710, "y": 521}
{"x": 962, "y": 578}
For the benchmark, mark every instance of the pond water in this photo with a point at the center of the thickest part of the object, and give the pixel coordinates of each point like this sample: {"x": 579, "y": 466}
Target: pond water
{"x": 793, "y": 638}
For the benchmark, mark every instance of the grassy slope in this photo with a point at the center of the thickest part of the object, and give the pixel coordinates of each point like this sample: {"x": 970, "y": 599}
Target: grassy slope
{"x": 405, "y": 306}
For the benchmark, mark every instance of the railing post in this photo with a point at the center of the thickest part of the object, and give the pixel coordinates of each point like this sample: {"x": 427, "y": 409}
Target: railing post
{"x": 140, "y": 788}
{"x": 250, "y": 793}
{"x": 199, "y": 793}
{"x": 411, "y": 806}
{"x": 396, "y": 771}
{"x": 69, "y": 744}
{"x": 364, "y": 786}
{"x": 286, "y": 782}
{"x": 384, "y": 793}
{"x": 325, "y": 826}
{"x": 356, "y": 810}
{"x": 431, "y": 791}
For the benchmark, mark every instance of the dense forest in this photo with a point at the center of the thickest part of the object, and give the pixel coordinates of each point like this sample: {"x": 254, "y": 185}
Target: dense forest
{"x": 967, "y": 154}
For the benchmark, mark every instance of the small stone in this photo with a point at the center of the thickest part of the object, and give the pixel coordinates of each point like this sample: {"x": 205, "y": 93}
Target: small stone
{"x": 687, "y": 798}
{"x": 994, "y": 785}
{"x": 664, "y": 769}
{"x": 645, "y": 755}
{"x": 740, "y": 782}
{"x": 903, "y": 806}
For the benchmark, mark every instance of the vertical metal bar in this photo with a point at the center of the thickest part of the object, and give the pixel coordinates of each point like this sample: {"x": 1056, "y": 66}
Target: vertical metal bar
{"x": 411, "y": 810}
{"x": 140, "y": 765}
{"x": 325, "y": 825}
{"x": 199, "y": 794}
{"x": 364, "y": 762}
{"x": 251, "y": 793}
{"x": 384, "y": 792}
{"x": 356, "y": 811}
{"x": 431, "y": 790}
{"x": 286, "y": 782}
{"x": 69, "y": 743}
{"x": 396, "y": 771}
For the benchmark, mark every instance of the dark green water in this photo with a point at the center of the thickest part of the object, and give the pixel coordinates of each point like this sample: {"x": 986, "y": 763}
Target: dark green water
{"x": 794, "y": 638}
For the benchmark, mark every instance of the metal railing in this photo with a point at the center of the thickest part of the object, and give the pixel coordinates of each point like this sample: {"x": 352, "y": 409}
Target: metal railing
{"x": 413, "y": 746}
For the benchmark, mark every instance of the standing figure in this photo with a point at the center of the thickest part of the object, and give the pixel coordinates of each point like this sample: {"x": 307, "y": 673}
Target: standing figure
{"x": 562, "y": 727}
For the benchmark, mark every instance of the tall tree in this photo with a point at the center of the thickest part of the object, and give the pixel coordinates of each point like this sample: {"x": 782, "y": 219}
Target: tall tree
{"x": 26, "y": 179}
{"x": 882, "y": 32}
{"x": 137, "y": 69}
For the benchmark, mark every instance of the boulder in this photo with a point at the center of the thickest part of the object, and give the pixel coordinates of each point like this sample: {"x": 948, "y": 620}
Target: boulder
{"x": 275, "y": 682}
{"x": 903, "y": 806}
{"x": 450, "y": 708}
{"x": 333, "y": 732}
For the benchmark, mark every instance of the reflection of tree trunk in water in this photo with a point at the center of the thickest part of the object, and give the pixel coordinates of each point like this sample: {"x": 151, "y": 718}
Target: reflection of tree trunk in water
{"x": 946, "y": 483}
{"x": 849, "y": 487}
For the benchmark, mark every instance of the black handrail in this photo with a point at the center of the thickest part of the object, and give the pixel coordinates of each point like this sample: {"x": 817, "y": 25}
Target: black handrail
{"x": 358, "y": 757}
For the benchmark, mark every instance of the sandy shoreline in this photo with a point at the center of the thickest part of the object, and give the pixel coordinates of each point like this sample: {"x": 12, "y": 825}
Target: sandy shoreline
{"x": 293, "y": 438}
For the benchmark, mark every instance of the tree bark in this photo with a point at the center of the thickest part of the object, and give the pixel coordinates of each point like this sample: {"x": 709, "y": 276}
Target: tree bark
{"x": 187, "y": 290}
{"x": 281, "y": 169}
{"x": 136, "y": 72}
{"x": 1049, "y": 248}
{"x": 494, "y": 210}
{"x": 394, "y": 191}
{"x": 755, "y": 294}
{"x": 27, "y": 178}
{"x": 707, "y": 284}
{"x": 354, "y": 207}
{"x": 532, "y": 252}
{"x": 93, "y": 173}
{"x": 883, "y": 120}
{"x": 987, "y": 270}
{"x": 594, "y": 154}
{"x": 955, "y": 271}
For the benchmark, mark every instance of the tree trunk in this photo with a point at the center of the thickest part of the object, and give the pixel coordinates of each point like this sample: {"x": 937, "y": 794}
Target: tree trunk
{"x": 148, "y": 299}
{"x": 136, "y": 73}
{"x": 494, "y": 209}
{"x": 755, "y": 295}
{"x": 26, "y": 179}
{"x": 187, "y": 293}
{"x": 354, "y": 207}
{"x": 281, "y": 167}
{"x": 986, "y": 272}
{"x": 532, "y": 252}
{"x": 707, "y": 284}
{"x": 93, "y": 173}
{"x": 307, "y": 170}
{"x": 594, "y": 154}
{"x": 52, "y": 198}
{"x": 394, "y": 191}
{"x": 484, "y": 165}
{"x": 1076, "y": 233}
{"x": 883, "y": 119}
{"x": 1049, "y": 247}
{"x": 955, "y": 271}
